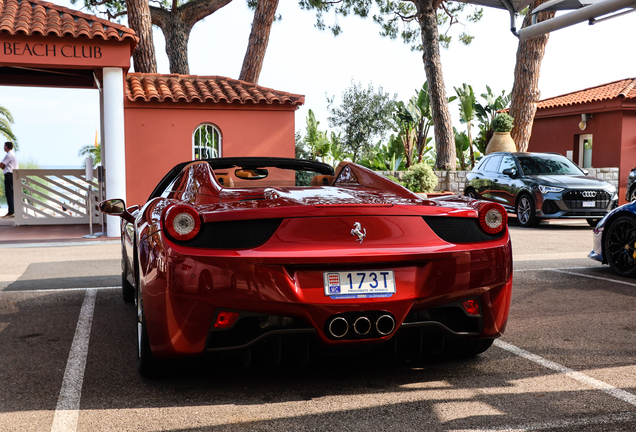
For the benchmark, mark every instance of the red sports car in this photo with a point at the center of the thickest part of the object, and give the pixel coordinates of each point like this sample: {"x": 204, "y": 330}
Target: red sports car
{"x": 264, "y": 256}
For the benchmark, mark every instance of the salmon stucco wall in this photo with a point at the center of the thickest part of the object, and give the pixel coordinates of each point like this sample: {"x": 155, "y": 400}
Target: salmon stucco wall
{"x": 628, "y": 151}
{"x": 159, "y": 136}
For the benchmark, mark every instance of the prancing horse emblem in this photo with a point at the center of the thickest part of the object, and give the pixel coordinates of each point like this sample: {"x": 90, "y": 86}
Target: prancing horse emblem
{"x": 358, "y": 231}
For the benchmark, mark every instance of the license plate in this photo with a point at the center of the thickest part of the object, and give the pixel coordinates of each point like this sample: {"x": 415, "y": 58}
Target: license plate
{"x": 589, "y": 203}
{"x": 359, "y": 283}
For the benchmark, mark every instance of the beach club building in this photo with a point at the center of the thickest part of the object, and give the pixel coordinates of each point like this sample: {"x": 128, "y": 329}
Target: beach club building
{"x": 149, "y": 122}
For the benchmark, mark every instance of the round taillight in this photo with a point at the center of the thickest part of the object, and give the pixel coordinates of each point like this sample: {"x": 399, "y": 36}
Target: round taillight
{"x": 492, "y": 218}
{"x": 182, "y": 222}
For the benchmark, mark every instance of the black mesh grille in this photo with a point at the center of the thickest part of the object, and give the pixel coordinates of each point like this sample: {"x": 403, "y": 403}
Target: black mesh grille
{"x": 550, "y": 207}
{"x": 241, "y": 234}
{"x": 574, "y": 199}
{"x": 459, "y": 229}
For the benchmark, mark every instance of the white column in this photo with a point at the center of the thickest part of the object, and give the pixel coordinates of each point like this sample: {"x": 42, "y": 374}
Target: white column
{"x": 114, "y": 141}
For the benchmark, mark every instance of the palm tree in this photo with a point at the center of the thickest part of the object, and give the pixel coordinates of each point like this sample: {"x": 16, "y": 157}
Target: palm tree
{"x": 467, "y": 113}
{"x": 6, "y": 120}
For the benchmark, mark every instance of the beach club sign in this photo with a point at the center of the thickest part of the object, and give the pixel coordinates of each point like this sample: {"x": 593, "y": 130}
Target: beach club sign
{"x": 22, "y": 50}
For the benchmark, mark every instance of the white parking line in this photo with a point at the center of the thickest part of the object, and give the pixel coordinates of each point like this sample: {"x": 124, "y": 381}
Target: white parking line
{"x": 596, "y": 277}
{"x": 67, "y": 409}
{"x": 550, "y": 268}
{"x": 570, "y": 373}
{"x": 60, "y": 290}
{"x": 561, "y": 424}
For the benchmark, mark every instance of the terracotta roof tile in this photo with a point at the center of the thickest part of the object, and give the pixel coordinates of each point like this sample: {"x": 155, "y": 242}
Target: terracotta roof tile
{"x": 623, "y": 88}
{"x": 43, "y": 18}
{"x": 192, "y": 88}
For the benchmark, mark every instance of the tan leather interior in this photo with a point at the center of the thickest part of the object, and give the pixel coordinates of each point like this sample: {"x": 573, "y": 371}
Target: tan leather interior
{"x": 322, "y": 180}
{"x": 224, "y": 180}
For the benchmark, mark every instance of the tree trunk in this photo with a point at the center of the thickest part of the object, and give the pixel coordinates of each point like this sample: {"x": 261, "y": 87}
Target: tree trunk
{"x": 259, "y": 37}
{"x": 144, "y": 59}
{"x": 444, "y": 137}
{"x": 177, "y": 36}
{"x": 176, "y": 25}
{"x": 525, "y": 90}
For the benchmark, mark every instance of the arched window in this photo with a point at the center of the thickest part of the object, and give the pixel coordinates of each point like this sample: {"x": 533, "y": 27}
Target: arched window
{"x": 206, "y": 142}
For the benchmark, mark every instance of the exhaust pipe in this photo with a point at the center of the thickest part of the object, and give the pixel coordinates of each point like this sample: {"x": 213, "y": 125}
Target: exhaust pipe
{"x": 385, "y": 325}
{"x": 338, "y": 327}
{"x": 362, "y": 325}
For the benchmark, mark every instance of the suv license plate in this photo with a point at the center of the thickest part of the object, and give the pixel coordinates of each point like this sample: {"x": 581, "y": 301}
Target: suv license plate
{"x": 589, "y": 203}
{"x": 359, "y": 284}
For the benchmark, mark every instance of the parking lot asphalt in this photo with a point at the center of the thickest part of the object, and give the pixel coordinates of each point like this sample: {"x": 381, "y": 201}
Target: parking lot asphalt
{"x": 567, "y": 361}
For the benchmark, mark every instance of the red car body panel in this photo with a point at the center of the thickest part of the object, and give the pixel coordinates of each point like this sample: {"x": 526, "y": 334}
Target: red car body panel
{"x": 184, "y": 287}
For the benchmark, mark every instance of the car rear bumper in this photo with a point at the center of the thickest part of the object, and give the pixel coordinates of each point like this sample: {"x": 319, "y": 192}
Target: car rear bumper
{"x": 184, "y": 295}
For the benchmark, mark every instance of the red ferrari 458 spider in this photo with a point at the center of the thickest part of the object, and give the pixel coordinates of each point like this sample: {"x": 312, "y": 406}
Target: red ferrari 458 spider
{"x": 268, "y": 256}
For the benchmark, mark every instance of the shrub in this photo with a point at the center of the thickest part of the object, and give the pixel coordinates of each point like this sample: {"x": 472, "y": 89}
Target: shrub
{"x": 420, "y": 178}
{"x": 503, "y": 123}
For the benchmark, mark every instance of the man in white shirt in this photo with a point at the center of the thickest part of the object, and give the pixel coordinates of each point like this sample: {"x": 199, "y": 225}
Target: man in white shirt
{"x": 8, "y": 164}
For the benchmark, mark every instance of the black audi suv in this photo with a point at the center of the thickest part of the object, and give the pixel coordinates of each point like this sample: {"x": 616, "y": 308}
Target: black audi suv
{"x": 539, "y": 186}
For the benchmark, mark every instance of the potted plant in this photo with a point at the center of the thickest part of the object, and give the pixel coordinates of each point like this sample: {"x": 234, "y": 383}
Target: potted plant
{"x": 501, "y": 139}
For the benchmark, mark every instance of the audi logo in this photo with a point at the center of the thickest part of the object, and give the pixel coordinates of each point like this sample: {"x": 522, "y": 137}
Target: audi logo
{"x": 588, "y": 194}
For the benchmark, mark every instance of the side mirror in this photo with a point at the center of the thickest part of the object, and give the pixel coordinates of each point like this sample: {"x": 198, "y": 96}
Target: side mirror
{"x": 116, "y": 207}
{"x": 510, "y": 172}
{"x": 586, "y": 172}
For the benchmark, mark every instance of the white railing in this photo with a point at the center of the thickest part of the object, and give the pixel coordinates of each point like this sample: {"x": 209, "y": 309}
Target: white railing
{"x": 54, "y": 197}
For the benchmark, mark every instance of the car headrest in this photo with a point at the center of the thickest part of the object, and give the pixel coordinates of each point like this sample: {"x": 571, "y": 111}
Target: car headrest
{"x": 321, "y": 180}
{"x": 224, "y": 180}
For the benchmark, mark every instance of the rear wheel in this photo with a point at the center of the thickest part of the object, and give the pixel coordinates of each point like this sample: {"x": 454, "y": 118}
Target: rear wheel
{"x": 620, "y": 246}
{"x": 471, "y": 193}
{"x": 525, "y": 210}
{"x": 632, "y": 194}
{"x": 459, "y": 348}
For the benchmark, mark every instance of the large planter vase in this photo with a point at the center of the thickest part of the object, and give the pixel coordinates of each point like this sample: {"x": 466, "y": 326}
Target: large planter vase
{"x": 501, "y": 141}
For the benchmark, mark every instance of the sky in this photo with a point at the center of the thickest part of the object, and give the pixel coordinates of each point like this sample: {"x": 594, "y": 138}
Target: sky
{"x": 53, "y": 124}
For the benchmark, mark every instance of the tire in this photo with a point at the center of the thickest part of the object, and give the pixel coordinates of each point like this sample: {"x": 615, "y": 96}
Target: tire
{"x": 471, "y": 194}
{"x": 593, "y": 222}
{"x": 632, "y": 194}
{"x": 462, "y": 348}
{"x": 619, "y": 246}
{"x": 525, "y": 209}
{"x": 127, "y": 289}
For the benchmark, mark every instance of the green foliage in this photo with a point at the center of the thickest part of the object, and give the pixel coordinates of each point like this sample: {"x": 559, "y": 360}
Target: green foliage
{"x": 6, "y": 120}
{"x": 461, "y": 146}
{"x": 362, "y": 117}
{"x": 319, "y": 145}
{"x": 112, "y": 9}
{"x": 414, "y": 121}
{"x": 420, "y": 178}
{"x": 486, "y": 113}
{"x": 385, "y": 157}
{"x": 466, "y": 98}
{"x": 396, "y": 18}
{"x": 91, "y": 150}
{"x": 503, "y": 123}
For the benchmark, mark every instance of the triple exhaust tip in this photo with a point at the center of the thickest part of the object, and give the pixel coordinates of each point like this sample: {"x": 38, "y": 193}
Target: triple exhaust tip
{"x": 339, "y": 326}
